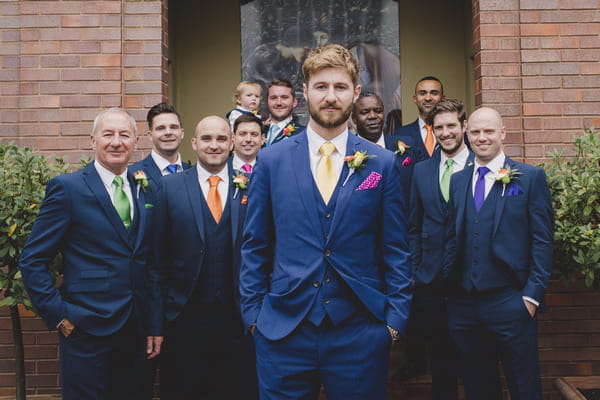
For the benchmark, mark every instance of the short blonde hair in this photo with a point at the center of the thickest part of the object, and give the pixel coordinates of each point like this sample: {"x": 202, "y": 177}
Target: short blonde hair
{"x": 330, "y": 56}
{"x": 237, "y": 93}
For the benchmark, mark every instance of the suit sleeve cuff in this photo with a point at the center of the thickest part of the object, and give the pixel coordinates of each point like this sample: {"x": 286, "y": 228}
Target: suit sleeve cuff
{"x": 532, "y": 301}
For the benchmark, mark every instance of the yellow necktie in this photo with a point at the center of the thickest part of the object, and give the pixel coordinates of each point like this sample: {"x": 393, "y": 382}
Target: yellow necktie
{"x": 326, "y": 179}
{"x": 429, "y": 142}
{"x": 214, "y": 198}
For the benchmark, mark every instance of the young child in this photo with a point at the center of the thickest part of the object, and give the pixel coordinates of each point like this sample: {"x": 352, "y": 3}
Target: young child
{"x": 247, "y": 98}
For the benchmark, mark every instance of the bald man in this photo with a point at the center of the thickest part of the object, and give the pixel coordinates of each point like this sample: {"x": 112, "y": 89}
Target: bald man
{"x": 201, "y": 212}
{"x": 499, "y": 257}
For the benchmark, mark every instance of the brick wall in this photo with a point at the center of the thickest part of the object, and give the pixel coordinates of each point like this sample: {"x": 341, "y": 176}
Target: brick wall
{"x": 64, "y": 61}
{"x": 538, "y": 63}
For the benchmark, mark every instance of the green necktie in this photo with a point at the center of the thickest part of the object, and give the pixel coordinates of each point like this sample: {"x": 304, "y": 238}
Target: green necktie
{"x": 122, "y": 202}
{"x": 445, "y": 182}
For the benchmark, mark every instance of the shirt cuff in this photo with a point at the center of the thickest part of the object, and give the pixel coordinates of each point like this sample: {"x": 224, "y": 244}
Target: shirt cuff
{"x": 60, "y": 323}
{"x": 532, "y": 301}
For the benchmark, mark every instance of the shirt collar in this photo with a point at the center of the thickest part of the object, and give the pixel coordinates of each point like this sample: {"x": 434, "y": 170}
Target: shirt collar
{"x": 162, "y": 163}
{"x": 203, "y": 174}
{"x": 315, "y": 141}
{"x": 284, "y": 123}
{"x": 238, "y": 162}
{"x": 421, "y": 123}
{"x": 107, "y": 176}
{"x": 494, "y": 165}
{"x": 460, "y": 159}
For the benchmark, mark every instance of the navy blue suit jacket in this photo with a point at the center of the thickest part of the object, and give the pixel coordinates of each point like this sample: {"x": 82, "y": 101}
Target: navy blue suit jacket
{"x": 522, "y": 227}
{"x": 412, "y": 130}
{"x": 284, "y": 249}
{"x": 280, "y": 136}
{"x": 179, "y": 244}
{"x": 106, "y": 267}
{"x": 427, "y": 220}
{"x": 151, "y": 169}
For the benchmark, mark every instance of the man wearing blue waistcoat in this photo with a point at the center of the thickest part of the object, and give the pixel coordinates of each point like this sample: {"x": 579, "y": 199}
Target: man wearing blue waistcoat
{"x": 325, "y": 278}
{"x": 498, "y": 260}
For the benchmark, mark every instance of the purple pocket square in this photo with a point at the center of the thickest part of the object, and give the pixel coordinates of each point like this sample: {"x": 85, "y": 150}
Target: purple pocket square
{"x": 371, "y": 182}
{"x": 513, "y": 190}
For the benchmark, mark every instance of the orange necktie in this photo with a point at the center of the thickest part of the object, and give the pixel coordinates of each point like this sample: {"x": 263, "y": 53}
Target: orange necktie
{"x": 429, "y": 142}
{"x": 214, "y": 198}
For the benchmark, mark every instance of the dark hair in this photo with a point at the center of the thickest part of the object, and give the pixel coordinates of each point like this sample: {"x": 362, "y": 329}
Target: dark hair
{"x": 161, "y": 108}
{"x": 282, "y": 82}
{"x": 447, "y": 105}
{"x": 363, "y": 95}
{"x": 430, "y": 78}
{"x": 247, "y": 117}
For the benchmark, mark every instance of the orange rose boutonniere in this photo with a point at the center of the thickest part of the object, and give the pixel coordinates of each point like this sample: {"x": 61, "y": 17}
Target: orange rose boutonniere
{"x": 287, "y": 131}
{"x": 356, "y": 161}
{"x": 402, "y": 147}
{"x": 240, "y": 182}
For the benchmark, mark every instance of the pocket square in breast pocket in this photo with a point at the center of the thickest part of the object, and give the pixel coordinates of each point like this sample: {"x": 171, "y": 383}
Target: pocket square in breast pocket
{"x": 371, "y": 182}
{"x": 148, "y": 205}
{"x": 513, "y": 190}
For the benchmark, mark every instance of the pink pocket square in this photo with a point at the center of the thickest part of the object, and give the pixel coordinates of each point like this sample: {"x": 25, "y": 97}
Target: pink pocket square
{"x": 371, "y": 182}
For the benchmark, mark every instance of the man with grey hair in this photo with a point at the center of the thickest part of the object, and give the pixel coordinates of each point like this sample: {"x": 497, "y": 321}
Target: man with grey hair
{"x": 98, "y": 218}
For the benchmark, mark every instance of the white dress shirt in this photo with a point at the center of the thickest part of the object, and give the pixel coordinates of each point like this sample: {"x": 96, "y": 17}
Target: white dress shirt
{"x": 337, "y": 157}
{"x": 459, "y": 162}
{"x": 162, "y": 163}
{"x": 222, "y": 187}
{"x": 422, "y": 129}
{"x": 107, "y": 178}
{"x": 238, "y": 162}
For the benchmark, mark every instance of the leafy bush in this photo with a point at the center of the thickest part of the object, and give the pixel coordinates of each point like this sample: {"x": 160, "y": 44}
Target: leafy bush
{"x": 575, "y": 186}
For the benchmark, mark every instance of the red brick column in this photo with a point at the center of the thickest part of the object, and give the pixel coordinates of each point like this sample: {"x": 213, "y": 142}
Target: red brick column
{"x": 538, "y": 63}
{"x": 64, "y": 61}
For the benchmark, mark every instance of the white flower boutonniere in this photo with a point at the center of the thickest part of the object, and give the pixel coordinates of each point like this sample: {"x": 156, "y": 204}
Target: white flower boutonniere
{"x": 141, "y": 181}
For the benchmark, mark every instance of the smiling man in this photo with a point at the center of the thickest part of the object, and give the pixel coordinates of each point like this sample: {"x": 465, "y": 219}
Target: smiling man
{"x": 166, "y": 132}
{"x": 498, "y": 260}
{"x": 281, "y": 102}
{"x": 428, "y": 92}
{"x": 247, "y": 141}
{"x": 101, "y": 225}
{"x": 201, "y": 214}
{"x": 325, "y": 278}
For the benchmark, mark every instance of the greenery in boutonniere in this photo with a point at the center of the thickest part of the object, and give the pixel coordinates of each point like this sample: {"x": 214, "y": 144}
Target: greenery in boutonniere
{"x": 575, "y": 186}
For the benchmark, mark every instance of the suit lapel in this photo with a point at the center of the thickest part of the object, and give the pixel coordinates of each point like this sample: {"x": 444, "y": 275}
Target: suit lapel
{"x": 234, "y": 204}
{"x": 140, "y": 211}
{"x": 92, "y": 179}
{"x": 195, "y": 196}
{"x": 467, "y": 195}
{"x": 152, "y": 169}
{"x": 433, "y": 184}
{"x": 345, "y": 191}
{"x": 501, "y": 199}
{"x": 304, "y": 179}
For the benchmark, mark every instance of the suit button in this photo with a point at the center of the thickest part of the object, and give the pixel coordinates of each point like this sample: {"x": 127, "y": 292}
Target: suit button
{"x": 474, "y": 274}
{"x": 316, "y": 284}
{"x": 327, "y": 215}
{"x": 475, "y": 247}
{"x": 326, "y": 236}
{"x": 476, "y": 221}
{"x": 476, "y": 234}
{"x": 327, "y": 280}
{"x": 475, "y": 262}
{"x": 327, "y": 301}
{"x": 327, "y": 253}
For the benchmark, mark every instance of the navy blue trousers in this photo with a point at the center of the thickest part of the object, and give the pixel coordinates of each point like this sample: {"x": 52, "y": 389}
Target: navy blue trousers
{"x": 103, "y": 367}
{"x": 350, "y": 360}
{"x": 502, "y": 315}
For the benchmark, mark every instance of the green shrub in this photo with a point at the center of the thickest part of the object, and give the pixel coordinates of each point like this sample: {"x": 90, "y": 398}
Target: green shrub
{"x": 575, "y": 186}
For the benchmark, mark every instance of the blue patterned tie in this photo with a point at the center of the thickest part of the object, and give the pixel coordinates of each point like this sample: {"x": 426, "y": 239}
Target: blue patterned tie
{"x": 479, "y": 195}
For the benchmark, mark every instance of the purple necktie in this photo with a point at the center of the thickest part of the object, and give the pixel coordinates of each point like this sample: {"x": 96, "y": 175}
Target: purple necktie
{"x": 479, "y": 195}
{"x": 172, "y": 168}
{"x": 247, "y": 168}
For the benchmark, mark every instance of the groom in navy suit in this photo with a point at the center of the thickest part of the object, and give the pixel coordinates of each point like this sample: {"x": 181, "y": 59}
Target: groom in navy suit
{"x": 499, "y": 257}
{"x": 201, "y": 213}
{"x": 108, "y": 311}
{"x": 325, "y": 278}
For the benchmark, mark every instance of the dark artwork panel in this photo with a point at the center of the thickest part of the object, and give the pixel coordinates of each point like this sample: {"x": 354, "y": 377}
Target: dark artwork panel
{"x": 277, "y": 35}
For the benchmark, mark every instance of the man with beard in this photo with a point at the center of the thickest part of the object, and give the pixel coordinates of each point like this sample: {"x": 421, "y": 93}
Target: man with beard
{"x": 325, "y": 278}
{"x": 427, "y": 222}
{"x": 428, "y": 92}
{"x": 281, "y": 101}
